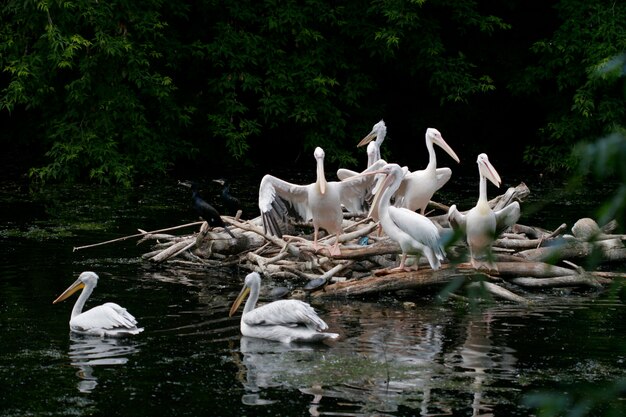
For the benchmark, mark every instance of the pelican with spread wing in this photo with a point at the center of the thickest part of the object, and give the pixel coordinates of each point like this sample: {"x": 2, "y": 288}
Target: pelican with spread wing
{"x": 414, "y": 232}
{"x": 418, "y": 187}
{"x": 284, "y": 321}
{"x": 481, "y": 224}
{"x": 108, "y": 319}
{"x": 320, "y": 201}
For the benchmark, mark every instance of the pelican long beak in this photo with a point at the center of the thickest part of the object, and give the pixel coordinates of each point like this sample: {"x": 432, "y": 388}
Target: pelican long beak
{"x": 367, "y": 139}
{"x": 377, "y": 196}
{"x": 321, "y": 178}
{"x": 242, "y": 296}
{"x": 77, "y": 285}
{"x": 442, "y": 143}
{"x": 490, "y": 172}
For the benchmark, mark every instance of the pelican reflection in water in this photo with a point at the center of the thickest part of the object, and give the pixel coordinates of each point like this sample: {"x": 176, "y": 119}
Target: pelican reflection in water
{"x": 283, "y": 321}
{"x": 88, "y": 352}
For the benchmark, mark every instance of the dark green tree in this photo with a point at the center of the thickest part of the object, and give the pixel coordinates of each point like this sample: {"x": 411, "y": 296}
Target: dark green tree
{"x": 579, "y": 106}
{"x": 94, "y": 76}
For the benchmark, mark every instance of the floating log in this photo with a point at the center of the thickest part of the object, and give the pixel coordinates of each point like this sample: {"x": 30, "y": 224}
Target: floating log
{"x": 525, "y": 256}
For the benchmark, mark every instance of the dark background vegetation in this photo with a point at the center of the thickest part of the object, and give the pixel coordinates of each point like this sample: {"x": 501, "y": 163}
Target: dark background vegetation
{"x": 119, "y": 90}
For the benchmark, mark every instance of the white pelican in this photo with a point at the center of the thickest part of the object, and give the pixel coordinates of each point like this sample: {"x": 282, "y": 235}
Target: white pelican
{"x": 320, "y": 202}
{"x": 282, "y": 320}
{"x": 379, "y": 131}
{"x": 414, "y": 232}
{"x": 108, "y": 319}
{"x": 418, "y": 187}
{"x": 481, "y": 223}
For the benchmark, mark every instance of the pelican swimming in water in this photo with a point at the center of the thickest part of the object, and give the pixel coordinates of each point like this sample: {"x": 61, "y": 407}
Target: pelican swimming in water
{"x": 414, "y": 232}
{"x": 284, "y": 321}
{"x": 418, "y": 187}
{"x": 108, "y": 319}
{"x": 481, "y": 223}
{"x": 320, "y": 202}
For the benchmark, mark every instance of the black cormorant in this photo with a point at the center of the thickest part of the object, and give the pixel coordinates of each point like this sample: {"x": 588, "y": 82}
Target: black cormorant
{"x": 230, "y": 202}
{"x": 207, "y": 211}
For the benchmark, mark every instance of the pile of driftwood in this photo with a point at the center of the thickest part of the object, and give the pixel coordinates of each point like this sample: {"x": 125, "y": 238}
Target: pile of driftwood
{"x": 527, "y": 257}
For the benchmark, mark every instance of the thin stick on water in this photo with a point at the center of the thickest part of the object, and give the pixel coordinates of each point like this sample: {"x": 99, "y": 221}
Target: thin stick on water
{"x": 143, "y": 233}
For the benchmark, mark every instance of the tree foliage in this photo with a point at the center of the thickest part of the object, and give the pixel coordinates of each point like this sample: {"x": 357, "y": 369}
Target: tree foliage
{"x": 582, "y": 105}
{"x": 119, "y": 89}
{"x": 95, "y": 73}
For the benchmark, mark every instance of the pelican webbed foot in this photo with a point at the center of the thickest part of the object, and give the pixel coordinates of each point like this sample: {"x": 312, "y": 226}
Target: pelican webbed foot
{"x": 488, "y": 266}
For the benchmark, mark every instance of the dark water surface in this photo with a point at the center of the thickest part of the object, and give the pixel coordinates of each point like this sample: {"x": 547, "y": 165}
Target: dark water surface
{"x": 431, "y": 360}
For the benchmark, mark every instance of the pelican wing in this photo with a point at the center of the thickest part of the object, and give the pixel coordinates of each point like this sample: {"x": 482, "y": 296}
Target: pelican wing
{"x": 274, "y": 196}
{"x": 443, "y": 176}
{"x": 419, "y": 227}
{"x": 357, "y": 189}
{"x": 507, "y": 216}
{"x": 285, "y": 313}
{"x": 457, "y": 220}
{"x": 344, "y": 173}
{"x": 423, "y": 232}
{"x": 108, "y": 318}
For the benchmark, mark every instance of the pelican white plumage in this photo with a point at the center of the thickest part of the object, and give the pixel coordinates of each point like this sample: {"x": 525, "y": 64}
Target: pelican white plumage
{"x": 379, "y": 132}
{"x": 481, "y": 223}
{"x": 418, "y": 187}
{"x": 320, "y": 201}
{"x": 284, "y": 321}
{"x": 108, "y": 319}
{"x": 414, "y": 232}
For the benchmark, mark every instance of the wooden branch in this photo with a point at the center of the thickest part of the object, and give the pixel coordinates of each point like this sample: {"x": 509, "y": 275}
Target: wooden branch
{"x": 571, "y": 248}
{"x": 386, "y": 283}
{"x": 278, "y": 242}
{"x": 335, "y": 270}
{"x": 382, "y": 247}
{"x": 531, "y": 269}
{"x": 564, "y": 281}
{"x": 518, "y": 193}
{"x": 137, "y": 235}
{"x": 174, "y": 250}
{"x": 518, "y": 244}
{"x": 531, "y": 231}
{"x": 500, "y": 292}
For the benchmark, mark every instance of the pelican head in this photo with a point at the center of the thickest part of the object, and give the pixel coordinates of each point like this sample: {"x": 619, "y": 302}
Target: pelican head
{"x": 435, "y": 137}
{"x": 379, "y": 130}
{"x": 487, "y": 170}
{"x": 252, "y": 279}
{"x": 86, "y": 279}
{"x": 321, "y": 179}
